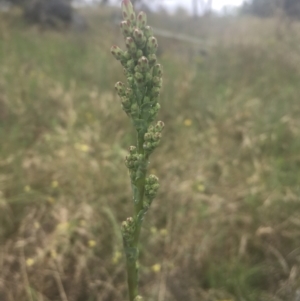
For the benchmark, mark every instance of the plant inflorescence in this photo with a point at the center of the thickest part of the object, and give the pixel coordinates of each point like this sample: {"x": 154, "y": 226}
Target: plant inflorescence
{"x": 139, "y": 100}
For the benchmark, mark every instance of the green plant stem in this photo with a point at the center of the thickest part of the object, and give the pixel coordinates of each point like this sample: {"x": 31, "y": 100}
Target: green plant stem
{"x": 132, "y": 270}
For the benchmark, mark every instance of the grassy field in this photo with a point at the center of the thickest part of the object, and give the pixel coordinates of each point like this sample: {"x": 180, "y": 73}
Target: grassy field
{"x": 226, "y": 223}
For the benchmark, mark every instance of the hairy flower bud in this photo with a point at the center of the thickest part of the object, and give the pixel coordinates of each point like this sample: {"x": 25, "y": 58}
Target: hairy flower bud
{"x": 139, "y": 53}
{"x": 155, "y": 91}
{"x": 148, "y": 32}
{"x": 130, "y": 44}
{"x": 141, "y": 20}
{"x": 139, "y": 37}
{"x": 132, "y": 149}
{"x": 120, "y": 88}
{"x": 126, "y": 28}
{"x": 152, "y": 59}
{"x": 156, "y": 81}
{"x": 157, "y": 70}
{"x": 147, "y": 136}
{"x": 117, "y": 52}
{"x": 152, "y": 45}
{"x": 127, "y": 11}
{"x": 126, "y": 104}
{"x": 159, "y": 126}
{"x": 139, "y": 77}
{"x": 143, "y": 63}
{"x": 130, "y": 64}
{"x": 151, "y": 187}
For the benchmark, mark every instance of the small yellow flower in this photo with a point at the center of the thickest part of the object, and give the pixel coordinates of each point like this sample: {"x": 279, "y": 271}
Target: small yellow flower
{"x": 82, "y": 223}
{"x": 53, "y": 254}
{"x": 62, "y": 227}
{"x": 54, "y": 184}
{"x": 156, "y": 268}
{"x": 51, "y": 200}
{"x": 163, "y": 232}
{"x": 116, "y": 258}
{"x": 27, "y": 188}
{"x": 153, "y": 230}
{"x": 89, "y": 116}
{"x": 92, "y": 243}
{"x": 187, "y": 122}
{"x": 82, "y": 147}
{"x": 200, "y": 187}
{"x": 29, "y": 262}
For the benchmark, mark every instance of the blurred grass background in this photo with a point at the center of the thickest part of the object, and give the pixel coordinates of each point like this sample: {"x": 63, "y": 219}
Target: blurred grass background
{"x": 226, "y": 223}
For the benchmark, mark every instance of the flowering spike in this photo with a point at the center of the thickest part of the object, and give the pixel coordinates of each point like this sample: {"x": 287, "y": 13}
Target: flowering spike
{"x": 139, "y": 100}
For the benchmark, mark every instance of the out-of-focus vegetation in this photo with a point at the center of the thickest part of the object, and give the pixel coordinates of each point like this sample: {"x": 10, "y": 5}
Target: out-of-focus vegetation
{"x": 225, "y": 225}
{"x": 267, "y": 8}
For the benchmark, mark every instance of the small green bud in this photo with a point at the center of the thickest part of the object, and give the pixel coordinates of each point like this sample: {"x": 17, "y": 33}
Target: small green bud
{"x": 148, "y": 32}
{"x": 130, "y": 44}
{"x": 152, "y": 179}
{"x": 130, "y": 64}
{"x": 152, "y": 59}
{"x": 143, "y": 64}
{"x": 157, "y": 70}
{"x": 139, "y": 37}
{"x": 157, "y": 81}
{"x": 126, "y": 55}
{"x": 130, "y": 80}
{"x": 120, "y": 88}
{"x": 127, "y": 11}
{"x": 141, "y": 20}
{"x": 157, "y": 136}
{"x": 128, "y": 93}
{"x": 151, "y": 187}
{"x": 155, "y": 91}
{"x": 138, "y": 298}
{"x": 139, "y": 53}
{"x": 152, "y": 45}
{"x": 146, "y": 99}
{"x": 159, "y": 126}
{"x": 148, "y": 137}
{"x": 126, "y": 28}
{"x": 126, "y": 104}
{"x": 148, "y": 77}
{"x": 147, "y": 146}
{"x": 134, "y": 109}
{"x": 139, "y": 77}
{"x": 117, "y": 52}
{"x": 132, "y": 149}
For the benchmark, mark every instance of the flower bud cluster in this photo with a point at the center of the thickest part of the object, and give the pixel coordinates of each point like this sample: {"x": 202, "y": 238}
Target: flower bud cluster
{"x": 127, "y": 229}
{"x": 151, "y": 187}
{"x": 134, "y": 161}
{"x": 144, "y": 75}
{"x": 152, "y": 137}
